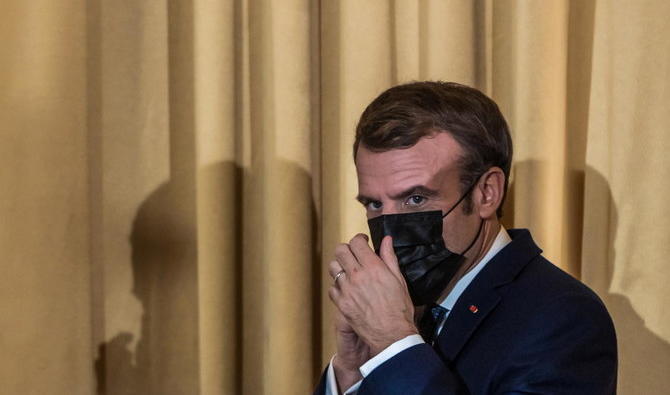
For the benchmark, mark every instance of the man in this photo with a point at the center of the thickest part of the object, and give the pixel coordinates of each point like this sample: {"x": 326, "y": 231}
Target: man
{"x": 450, "y": 302}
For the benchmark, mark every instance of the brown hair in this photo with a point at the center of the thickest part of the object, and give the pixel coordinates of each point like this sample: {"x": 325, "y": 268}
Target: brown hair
{"x": 402, "y": 115}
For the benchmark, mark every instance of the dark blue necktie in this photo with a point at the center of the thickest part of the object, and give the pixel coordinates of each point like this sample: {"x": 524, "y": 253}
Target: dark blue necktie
{"x": 430, "y": 322}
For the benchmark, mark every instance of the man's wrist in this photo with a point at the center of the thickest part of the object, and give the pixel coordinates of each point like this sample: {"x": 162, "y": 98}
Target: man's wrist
{"x": 345, "y": 375}
{"x": 390, "y": 352}
{"x": 383, "y": 344}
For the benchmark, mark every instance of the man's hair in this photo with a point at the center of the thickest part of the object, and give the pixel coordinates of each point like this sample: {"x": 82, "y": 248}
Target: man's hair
{"x": 402, "y": 115}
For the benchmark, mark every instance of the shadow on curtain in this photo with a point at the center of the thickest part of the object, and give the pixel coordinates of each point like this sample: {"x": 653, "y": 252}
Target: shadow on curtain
{"x": 165, "y": 281}
{"x": 638, "y": 345}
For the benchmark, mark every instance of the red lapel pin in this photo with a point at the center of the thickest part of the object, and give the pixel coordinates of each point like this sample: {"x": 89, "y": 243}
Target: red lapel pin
{"x": 473, "y": 309}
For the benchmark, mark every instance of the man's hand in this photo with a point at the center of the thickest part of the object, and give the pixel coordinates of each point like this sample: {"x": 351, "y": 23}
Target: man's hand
{"x": 352, "y": 352}
{"x": 371, "y": 294}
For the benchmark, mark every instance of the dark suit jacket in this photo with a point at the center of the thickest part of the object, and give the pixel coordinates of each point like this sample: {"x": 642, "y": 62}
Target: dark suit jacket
{"x": 535, "y": 330}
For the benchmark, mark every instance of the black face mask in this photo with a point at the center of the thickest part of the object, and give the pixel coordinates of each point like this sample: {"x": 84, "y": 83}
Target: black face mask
{"x": 424, "y": 260}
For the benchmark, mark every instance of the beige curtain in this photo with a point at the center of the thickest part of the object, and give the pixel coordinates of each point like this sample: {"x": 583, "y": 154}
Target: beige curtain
{"x": 175, "y": 173}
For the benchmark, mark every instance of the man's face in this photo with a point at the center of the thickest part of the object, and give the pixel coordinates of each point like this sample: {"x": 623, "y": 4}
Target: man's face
{"x": 424, "y": 177}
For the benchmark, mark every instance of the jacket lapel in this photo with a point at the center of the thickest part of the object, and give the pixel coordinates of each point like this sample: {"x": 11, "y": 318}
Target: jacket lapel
{"x": 481, "y": 297}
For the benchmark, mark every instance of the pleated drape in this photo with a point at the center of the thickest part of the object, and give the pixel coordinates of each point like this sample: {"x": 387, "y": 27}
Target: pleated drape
{"x": 175, "y": 174}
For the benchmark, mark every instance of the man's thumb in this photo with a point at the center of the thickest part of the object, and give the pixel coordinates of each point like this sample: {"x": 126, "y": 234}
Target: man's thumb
{"x": 388, "y": 256}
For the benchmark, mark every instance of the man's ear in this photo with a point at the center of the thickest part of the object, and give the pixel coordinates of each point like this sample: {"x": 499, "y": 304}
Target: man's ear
{"x": 489, "y": 192}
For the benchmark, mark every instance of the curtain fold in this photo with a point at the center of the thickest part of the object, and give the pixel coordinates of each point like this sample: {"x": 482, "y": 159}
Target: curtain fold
{"x": 177, "y": 173}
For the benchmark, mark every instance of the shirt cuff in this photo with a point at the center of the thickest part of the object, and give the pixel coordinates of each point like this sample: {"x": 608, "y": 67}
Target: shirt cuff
{"x": 331, "y": 382}
{"x": 390, "y": 352}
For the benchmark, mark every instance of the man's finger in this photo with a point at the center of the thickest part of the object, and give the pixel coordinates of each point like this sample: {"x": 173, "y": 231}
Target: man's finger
{"x": 334, "y": 294}
{"x": 338, "y": 296}
{"x": 334, "y": 268}
{"x": 361, "y": 249}
{"x": 388, "y": 256}
{"x": 346, "y": 258}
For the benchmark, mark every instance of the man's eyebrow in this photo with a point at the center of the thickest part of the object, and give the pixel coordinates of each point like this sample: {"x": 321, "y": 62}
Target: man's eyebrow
{"x": 415, "y": 190}
{"x": 364, "y": 200}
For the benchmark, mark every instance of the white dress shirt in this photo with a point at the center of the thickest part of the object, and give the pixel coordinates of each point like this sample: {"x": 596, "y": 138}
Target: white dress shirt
{"x": 502, "y": 239}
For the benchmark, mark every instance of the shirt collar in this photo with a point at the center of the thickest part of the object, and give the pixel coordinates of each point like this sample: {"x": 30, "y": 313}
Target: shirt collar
{"x": 501, "y": 240}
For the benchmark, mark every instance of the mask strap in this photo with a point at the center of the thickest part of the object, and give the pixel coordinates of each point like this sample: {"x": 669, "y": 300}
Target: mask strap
{"x": 462, "y": 197}
{"x": 481, "y": 225}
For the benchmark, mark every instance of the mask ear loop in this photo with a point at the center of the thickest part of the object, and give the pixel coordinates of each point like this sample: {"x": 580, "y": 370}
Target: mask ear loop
{"x": 462, "y": 197}
{"x": 481, "y": 224}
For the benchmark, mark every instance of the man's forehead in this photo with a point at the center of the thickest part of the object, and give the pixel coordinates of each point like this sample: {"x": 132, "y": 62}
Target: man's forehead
{"x": 420, "y": 164}
{"x": 438, "y": 150}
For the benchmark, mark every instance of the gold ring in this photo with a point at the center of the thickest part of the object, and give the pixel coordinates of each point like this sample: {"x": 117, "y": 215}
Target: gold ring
{"x": 341, "y": 272}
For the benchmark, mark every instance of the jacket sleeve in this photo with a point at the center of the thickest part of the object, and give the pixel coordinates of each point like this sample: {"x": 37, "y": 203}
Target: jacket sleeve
{"x": 417, "y": 370}
{"x": 568, "y": 348}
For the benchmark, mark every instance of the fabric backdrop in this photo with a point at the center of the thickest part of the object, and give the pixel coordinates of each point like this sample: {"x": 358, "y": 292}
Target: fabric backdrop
{"x": 176, "y": 173}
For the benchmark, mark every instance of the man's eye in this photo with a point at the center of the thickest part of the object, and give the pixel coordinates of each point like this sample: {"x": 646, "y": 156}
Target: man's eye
{"x": 415, "y": 200}
{"x": 374, "y": 206}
